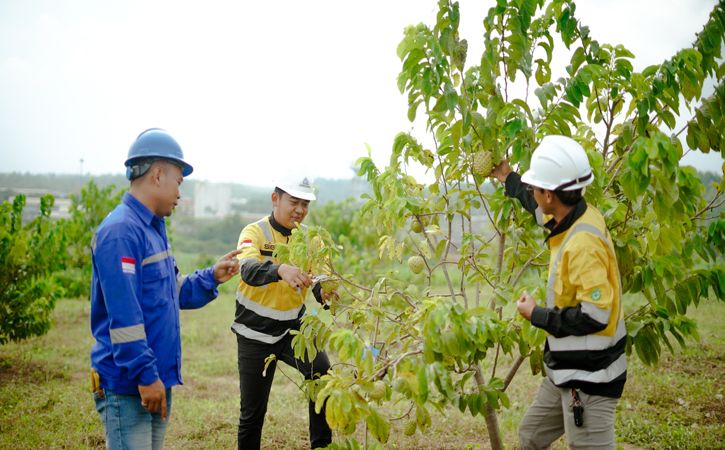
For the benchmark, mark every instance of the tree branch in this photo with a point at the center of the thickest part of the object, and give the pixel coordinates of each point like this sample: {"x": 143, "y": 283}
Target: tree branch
{"x": 525, "y": 266}
{"x": 512, "y": 371}
{"x": 709, "y": 206}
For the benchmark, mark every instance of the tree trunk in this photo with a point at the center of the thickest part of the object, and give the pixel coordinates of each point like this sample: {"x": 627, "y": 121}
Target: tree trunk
{"x": 494, "y": 433}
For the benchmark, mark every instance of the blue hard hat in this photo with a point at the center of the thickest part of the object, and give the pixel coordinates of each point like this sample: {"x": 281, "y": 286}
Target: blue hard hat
{"x": 150, "y": 145}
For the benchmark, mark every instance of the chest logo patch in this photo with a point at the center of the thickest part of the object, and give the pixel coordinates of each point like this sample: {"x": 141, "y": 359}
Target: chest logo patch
{"x": 596, "y": 294}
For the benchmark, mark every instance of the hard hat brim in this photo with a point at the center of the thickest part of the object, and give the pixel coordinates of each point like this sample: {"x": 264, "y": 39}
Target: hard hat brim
{"x": 310, "y": 196}
{"x": 529, "y": 177}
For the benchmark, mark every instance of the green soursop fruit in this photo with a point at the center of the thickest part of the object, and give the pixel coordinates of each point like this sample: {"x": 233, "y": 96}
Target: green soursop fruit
{"x": 378, "y": 392}
{"x": 482, "y": 163}
{"x": 416, "y": 226}
{"x": 416, "y": 264}
{"x": 410, "y": 427}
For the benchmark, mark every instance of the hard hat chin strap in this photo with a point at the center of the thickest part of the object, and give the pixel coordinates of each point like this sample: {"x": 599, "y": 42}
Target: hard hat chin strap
{"x": 139, "y": 168}
{"x": 561, "y": 187}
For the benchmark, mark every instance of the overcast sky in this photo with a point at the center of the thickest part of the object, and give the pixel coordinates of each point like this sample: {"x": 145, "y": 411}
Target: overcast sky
{"x": 247, "y": 88}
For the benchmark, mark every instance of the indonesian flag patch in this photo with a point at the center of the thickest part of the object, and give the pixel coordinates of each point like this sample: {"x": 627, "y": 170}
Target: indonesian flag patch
{"x": 128, "y": 265}
{"x": 245, "y": 244}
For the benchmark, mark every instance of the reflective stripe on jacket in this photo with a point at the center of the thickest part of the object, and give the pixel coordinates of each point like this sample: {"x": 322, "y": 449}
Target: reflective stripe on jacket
{"x": 583, "y": 272}
{"x": 265, "y": 313}
{"x": 136, "y": 293}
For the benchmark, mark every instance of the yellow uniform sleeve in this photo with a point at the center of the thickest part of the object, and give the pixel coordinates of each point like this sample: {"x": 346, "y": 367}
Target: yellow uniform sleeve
{"x": 250, "y": 242}
{"x": 588, "y": 274}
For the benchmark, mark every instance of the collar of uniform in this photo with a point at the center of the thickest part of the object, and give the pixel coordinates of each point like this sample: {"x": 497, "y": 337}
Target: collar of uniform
{"x": 282, "y": 230}
{"x": 139, "y": 208}
{"x": 557, "y": 228}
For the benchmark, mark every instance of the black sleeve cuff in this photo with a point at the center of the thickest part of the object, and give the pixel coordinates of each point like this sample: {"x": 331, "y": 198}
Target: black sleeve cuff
{"x": 539, "y": 317}
{"x": 515, "y": 188}
{"x": 257, "y": 273}
{"x": 317, "y": 292}
{"x": 512, "y": 184}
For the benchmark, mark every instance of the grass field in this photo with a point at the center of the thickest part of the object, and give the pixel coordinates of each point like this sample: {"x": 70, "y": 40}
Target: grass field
{"x": 45, "y": 403}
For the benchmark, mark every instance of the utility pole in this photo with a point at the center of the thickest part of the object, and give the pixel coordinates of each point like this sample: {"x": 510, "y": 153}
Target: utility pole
{"x": 81, "y": 166}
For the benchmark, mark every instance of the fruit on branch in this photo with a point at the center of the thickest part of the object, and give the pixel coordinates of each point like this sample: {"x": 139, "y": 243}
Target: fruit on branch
{"x": 482, "y": 163}
{"x": 378, "y": 392}
{"x": 416, "y": 264}
{"x": 416, "y": 226}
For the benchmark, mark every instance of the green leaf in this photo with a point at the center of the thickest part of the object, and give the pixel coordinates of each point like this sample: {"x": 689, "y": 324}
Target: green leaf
{"x": 543, "y": 72}
{"x": 668, "y": 118}
{"x": 267, "y": 361}
{"x": 545, "y": 93}
{"x": 422, "y": 417}
{"x": 512, "y": 127}
{"x": 378, "y": 426}
{"x": 535, "y": 361}
{"x": 422, "y": 385}
{"x": 521, "y": 104}
{"x": 473, "y": 402}
{"x": 576, "y": 60}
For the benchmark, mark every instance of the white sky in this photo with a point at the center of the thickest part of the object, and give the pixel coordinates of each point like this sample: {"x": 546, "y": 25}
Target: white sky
{"x": 247, "y": 88}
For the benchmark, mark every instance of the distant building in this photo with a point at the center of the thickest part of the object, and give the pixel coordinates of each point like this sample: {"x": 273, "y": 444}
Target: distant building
{"x": 185, "y": 207}
{"x": 211, "y": 200}
{"x": 60, "y": 210}
{"x": 61, "y": 204}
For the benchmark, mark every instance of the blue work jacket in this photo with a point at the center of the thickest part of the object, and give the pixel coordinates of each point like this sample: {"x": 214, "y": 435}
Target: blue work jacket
{"x": 136, "y": 293}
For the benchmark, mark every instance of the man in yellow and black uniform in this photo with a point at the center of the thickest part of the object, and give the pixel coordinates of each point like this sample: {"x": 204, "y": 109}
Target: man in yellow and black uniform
{"x": 584, "y": 355}
{"x": 270, "y": 303}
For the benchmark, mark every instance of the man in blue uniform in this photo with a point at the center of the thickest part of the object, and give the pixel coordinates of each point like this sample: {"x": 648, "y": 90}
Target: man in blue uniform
{"x": 136, "y": 293}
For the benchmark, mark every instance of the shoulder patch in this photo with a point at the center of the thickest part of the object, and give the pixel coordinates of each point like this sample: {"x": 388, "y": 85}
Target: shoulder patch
{"x": 128, "y": 265}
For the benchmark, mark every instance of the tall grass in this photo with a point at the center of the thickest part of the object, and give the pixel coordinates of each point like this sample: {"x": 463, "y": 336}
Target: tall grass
{"x": 45, "y": 403}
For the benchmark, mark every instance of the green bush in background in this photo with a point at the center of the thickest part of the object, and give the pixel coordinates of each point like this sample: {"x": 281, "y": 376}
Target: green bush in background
{"x": 87, "y": 211}
{"x": 30, "y": 253}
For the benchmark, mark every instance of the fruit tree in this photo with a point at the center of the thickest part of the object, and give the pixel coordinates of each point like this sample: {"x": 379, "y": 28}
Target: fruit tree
{"x": 444, "y": 332}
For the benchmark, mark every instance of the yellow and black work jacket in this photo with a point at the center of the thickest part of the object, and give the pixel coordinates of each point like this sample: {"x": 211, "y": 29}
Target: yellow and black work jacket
{"x": 583, "y": 313}
{"x": 267, "y": 307}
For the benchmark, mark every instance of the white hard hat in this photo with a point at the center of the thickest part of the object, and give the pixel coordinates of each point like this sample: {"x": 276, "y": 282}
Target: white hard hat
{"x": 559, "y": 162}
{"x": 299, "y": 187}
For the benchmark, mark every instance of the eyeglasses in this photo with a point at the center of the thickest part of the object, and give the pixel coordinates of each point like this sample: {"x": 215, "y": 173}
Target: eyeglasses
{"x": 531, "y": 188}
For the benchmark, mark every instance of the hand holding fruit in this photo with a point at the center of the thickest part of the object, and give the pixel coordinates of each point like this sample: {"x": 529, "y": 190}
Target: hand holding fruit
{"x": 502, "y": 170}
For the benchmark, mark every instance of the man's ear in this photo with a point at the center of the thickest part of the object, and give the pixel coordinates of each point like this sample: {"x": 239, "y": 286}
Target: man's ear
{"x": 155, "y": 173}
{"x": 549, "y": 196}
{"x": 275, "y": 198}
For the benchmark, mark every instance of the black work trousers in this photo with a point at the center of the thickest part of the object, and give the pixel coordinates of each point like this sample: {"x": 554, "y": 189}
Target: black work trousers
{"x": 254, "y": 389}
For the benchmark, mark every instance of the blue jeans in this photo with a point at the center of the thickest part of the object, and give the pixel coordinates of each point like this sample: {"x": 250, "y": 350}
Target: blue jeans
{"x": 128, "y": 425}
